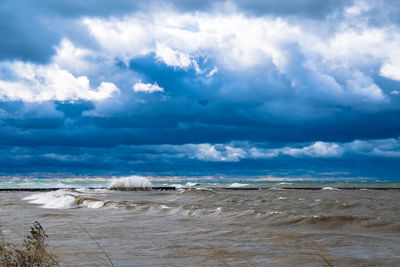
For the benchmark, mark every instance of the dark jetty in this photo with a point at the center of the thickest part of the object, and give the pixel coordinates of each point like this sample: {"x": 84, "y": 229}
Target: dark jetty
{"x": 172, "y": 188}
{"x": 48, "y": 189}
{"x": 309, "y": 188}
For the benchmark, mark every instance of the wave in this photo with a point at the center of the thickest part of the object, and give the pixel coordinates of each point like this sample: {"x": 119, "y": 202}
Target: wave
{"x": 177, "y": 186}
{"x": 192, "y": 184}
{"x": 235, "y": 185}
{"x": 130, "y": 183}
{"x": 92, "y": 190}
{"x": 330, "y": 188}
{"x": 62, "y": 199}
{"x": 78, "y": 198}
{"x": 72, "y": 199}
{"x": 284, "y": 183}
{"x": 331, "y": 221}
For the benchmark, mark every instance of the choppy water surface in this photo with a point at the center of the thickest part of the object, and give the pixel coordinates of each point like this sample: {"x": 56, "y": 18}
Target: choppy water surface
{"x": 203, "y": 226}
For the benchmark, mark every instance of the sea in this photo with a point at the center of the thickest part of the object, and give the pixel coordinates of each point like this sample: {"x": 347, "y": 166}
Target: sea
{"x": 139, "y": 221}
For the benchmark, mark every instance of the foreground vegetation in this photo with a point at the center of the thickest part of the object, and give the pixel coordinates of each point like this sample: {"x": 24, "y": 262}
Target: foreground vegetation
{"x": 32, "y": 252}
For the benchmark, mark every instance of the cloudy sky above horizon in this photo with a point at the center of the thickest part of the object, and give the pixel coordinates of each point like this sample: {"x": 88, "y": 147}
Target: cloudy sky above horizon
{"x": 303, "y": 88}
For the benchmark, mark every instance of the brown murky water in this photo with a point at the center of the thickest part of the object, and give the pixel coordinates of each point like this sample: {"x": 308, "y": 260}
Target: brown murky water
{"x": 218, "y": 227}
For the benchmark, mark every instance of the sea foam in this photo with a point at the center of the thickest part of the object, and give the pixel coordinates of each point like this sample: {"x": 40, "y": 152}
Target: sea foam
{"x": 130, "y": 183}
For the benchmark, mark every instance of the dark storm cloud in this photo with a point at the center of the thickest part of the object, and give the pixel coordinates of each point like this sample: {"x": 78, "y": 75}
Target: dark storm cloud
{"x": 180, "y": 160}
{"x": 31, "y": 29}
{"x": 203, "y": 122}
{"x": 24, "y": 34}
{"x": 191, "y": 111}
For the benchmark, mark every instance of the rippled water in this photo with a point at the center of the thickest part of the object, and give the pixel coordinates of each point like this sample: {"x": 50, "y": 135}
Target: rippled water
{"x": 203, "y": 226}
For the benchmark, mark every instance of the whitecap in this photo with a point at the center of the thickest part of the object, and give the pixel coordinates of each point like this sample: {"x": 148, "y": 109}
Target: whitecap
{"x": 93, "y": 204}
{"x": 219, "y": 210}
{"x": 237, "y": 185}
{"x": 329, "y": 188}
{"x": 177, "y": 186}
{"x": 92, "y": 190}
{"x": 203, "y": 188}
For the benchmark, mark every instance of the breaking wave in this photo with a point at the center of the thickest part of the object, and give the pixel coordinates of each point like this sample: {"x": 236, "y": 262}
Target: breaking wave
{"x": 130, "y": 183}
{"x": 62, "y": 199}
{"x": 236, "y": 185}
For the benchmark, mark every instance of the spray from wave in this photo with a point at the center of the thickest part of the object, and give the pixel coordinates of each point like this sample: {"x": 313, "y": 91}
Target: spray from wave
{"x": 133, "y": 182}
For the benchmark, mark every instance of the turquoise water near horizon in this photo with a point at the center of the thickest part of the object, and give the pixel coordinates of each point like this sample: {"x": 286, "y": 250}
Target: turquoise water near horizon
{"x": 209, "y": 182}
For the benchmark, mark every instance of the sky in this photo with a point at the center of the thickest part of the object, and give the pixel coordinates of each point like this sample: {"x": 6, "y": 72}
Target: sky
{"x": 290, "y": 89}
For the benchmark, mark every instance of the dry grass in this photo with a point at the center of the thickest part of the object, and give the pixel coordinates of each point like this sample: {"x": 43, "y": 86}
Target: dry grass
{"x": 33, "y": 251}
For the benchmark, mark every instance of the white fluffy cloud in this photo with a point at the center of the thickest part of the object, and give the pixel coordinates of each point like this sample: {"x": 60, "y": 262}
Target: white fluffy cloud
{"x": 74, "y": 59}
{"x": 331, "y": 64}
{"x": 391, "y": 69}
{"x": 172, "y": 57}
{"x": 317, "y": 150}
{"x": 335, "y": 64}
{"x": 395, "y": 92}
{"x": 382, "y": 147}
{"x": 147, "y": 87}
{"x": 260, "y": 153}
{"x": 39, "y": 83}
{"x": 364, "y": 87}
{"x": 217, "y": 152}
{"x": 123, "y": 39}
{"x": 231, "y": 153}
